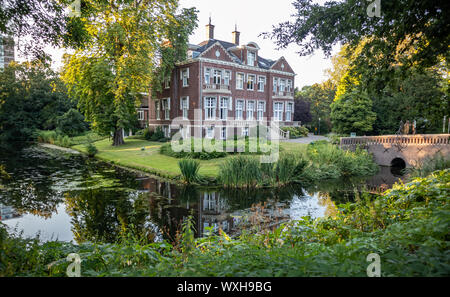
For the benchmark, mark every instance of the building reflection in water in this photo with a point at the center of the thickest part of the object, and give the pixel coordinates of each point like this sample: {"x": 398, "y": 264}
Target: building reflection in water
{"x": 8, "y": 212}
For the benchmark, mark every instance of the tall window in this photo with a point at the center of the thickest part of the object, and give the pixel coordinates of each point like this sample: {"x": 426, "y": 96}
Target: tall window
{"x": 275, "y": 84}
{"x": 167, "y": 83}
{"x": 224, "y": 108}
{"x": 240, "y": 81}
{"x": 185, "y": 107}
{"x": 250, "y": 110}
{"x": 223, "y": 133}
{"x": 227, "y": 78}
{"x": 278, "y": 111}
{"x": 261, "y": 83}
{"x": 207, "y": 75}
{"x": 251, "y": 58}
{"x": 289, "y": 111}
{"x": 210, "y": 108}
{"x": 250, "y": 82}
{"x": 166, "y": 108}
{"x": 140, "y": 115}
{"x": 289, "y": 85}
{"x": 239, "y": 109}
{"x": 157, "y": 108}
{"x": 260, "y": 110}
{"x": 217, "y": 78}
{"x": 185, "y": 77}
{"x": 282, "y": 85}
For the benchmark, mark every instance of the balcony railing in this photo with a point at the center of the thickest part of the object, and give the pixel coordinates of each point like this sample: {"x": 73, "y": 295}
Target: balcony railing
{"x": 219, "y": 87}
{"x": 283, "y": 94}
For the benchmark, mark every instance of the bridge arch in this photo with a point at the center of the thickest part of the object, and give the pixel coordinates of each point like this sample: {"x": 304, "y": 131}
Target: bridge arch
{"x": 398, "y": 162}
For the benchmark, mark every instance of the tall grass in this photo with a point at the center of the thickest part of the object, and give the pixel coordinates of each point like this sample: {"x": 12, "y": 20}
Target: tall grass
{"x": 426, "y": 166}
{"x": 247, "y": 172}
{"x": 189, "y": 170}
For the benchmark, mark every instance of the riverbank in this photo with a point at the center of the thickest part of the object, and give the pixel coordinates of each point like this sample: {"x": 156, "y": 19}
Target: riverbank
{"x": 144, "y": 156}
{"x": 407, "y": 227}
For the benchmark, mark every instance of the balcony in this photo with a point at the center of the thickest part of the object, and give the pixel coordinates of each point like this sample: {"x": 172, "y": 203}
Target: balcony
{"x": 283, "y": 94}
{"x": 217, "y": 88}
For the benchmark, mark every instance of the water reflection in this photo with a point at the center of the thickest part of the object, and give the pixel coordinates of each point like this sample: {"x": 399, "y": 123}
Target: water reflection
{"x": 70, "y": 197}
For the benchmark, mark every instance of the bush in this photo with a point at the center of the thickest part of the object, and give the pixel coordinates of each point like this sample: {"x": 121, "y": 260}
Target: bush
{"x": 189, "y": 170}
{"x": 71, "y": 123}
{"x": 157, "y": 135}
{"x": 296, "y": 132}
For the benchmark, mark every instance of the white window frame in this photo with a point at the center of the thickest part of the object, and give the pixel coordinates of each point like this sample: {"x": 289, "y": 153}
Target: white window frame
{"x": 278, "y": 112}
{"x": 261, "y": 83}
{"x": 251, "y": 61}
{"x": 282, "y": 85}
{"x": 207, "y": 76}
{"x": 158, "y": 110}
{"x": 261, "y": 108}
{"x": 240, "y": 109}
{"x": 217, "y": 76}
{"x": 184, "y": 106}
{"x": 245, "y": 131}
{"x": 223, "y": 133}
{"x": 167, "y": 83}
{"x": 224, "y": 107}
{"x": 275, "y": 84}
{"x": 184, "y": 75}
{"x": 141, "y": 115}
{"x": 210, "y": 109}
{"x": 251, "y": 108}
{"x": 238, "y": 80}
{"x": 289, "y": 111}
{"x": 253, "y": 82}
{"x": 227, "y": 77}
{"x": 166, "y": 108}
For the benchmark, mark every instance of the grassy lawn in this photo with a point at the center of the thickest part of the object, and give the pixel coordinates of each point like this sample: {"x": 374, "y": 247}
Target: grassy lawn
{"x": 150, "y": 160}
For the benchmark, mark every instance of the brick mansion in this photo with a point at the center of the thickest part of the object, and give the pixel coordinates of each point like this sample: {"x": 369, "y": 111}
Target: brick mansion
{"x": 227, "y": 82}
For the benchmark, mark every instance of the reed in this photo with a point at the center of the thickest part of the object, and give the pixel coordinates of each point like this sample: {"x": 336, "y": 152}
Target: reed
{"x": 189, "y": 170}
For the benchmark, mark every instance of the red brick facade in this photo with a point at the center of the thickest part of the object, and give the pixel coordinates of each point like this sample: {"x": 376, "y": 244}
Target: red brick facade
{"x": 215, "y": 72}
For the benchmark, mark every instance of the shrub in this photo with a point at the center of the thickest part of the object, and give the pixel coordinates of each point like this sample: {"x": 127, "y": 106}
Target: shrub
{"x": 296, "y": 132}
{"x": 157, "y": 135}
{"x": 71, "y": 123}
{"x": 148, "y": 134}
{"x": 189, "y": 170}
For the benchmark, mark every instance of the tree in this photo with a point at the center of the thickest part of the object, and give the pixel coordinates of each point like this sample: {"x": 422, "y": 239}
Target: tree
{"x": 132, "y": 46}
{"x": 320, "y": 96}
{"x": 302, "y": 110}
{"x": 37, "y": 23}
{"x": 423, "y": 26}
{"x": 352, "y": 112}
{"x": 71, "y": 123}
{"x": 31, "y": 97}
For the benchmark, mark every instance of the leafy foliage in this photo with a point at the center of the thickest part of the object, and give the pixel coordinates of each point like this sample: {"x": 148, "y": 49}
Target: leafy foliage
{"x": 407, "y": 226}
{"x": 72, "y": 123}
{"x": 121, "y": 60}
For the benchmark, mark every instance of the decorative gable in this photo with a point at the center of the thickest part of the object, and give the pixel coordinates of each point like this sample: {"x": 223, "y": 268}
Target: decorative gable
{"x": 282, "y": 65}
{"x": 217, "y": 52}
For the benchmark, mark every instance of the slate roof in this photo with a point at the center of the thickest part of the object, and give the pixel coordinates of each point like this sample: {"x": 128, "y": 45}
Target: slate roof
{"x": 262, "y": 63}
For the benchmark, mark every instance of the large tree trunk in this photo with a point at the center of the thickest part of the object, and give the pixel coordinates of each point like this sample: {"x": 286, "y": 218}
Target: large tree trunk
{"x": 118, "y": 137}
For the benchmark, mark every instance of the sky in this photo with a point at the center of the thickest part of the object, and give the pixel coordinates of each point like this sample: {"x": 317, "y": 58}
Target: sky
{"x": 252, "y": 18}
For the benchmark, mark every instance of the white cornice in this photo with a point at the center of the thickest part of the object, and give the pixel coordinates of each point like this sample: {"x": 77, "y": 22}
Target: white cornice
{"x": 220, "y": 62}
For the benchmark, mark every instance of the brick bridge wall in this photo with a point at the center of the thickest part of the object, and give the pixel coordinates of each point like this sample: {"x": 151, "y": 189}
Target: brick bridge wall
{"x": 410, "y": 148}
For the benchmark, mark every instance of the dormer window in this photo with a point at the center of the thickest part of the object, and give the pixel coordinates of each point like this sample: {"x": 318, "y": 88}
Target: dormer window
{"x": 251, "y": 58}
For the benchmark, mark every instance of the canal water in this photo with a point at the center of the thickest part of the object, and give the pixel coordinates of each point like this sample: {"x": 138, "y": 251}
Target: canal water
{"x": 62, "y": 196}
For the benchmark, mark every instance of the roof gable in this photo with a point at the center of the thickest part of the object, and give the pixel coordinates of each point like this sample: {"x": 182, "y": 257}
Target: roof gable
{"x": 216, "y": 51}
{"x": 282, "y": 65}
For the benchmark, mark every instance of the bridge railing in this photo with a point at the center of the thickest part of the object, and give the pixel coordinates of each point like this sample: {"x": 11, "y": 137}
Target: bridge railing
{"x": 418, "y": 139}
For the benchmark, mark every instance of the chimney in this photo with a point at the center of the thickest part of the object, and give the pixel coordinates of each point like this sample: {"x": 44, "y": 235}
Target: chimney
{"x": 236, "y": 35}
{"x": 209, "y": 30}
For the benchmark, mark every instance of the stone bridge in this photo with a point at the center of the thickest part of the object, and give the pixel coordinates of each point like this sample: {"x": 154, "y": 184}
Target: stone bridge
{"x": 400, "y": 150}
